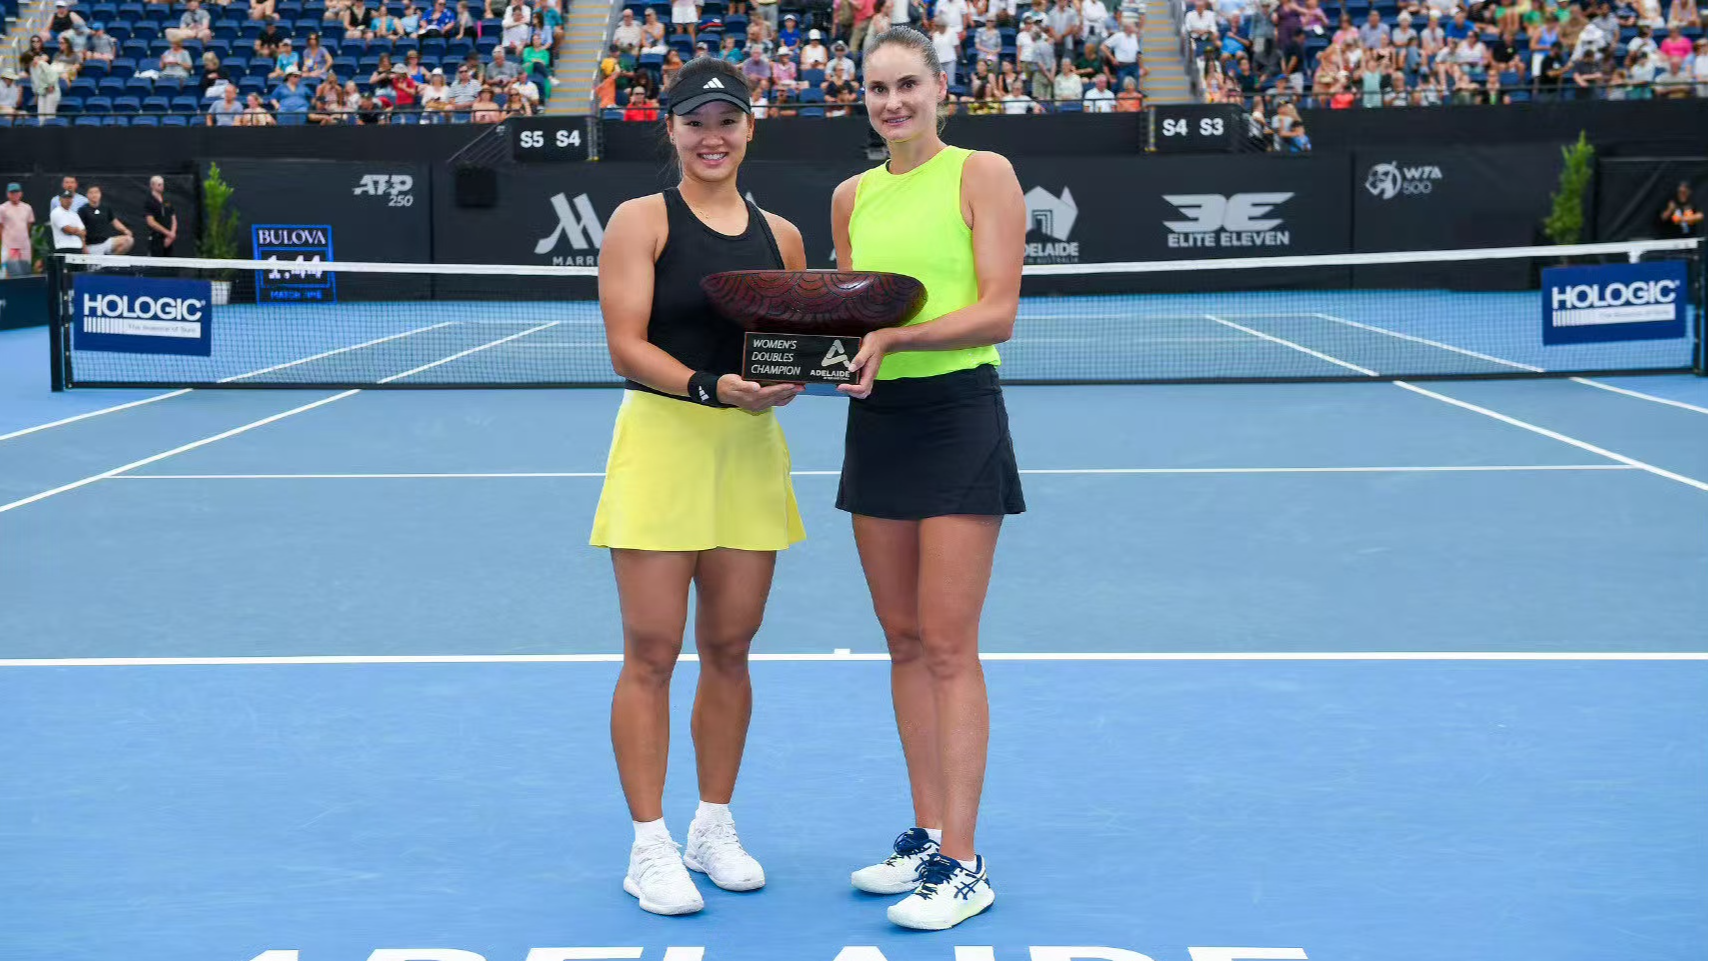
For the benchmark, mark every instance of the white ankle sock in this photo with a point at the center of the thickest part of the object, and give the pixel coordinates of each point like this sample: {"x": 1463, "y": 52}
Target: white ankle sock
{"x": 712, "y": 813}
{"x": 651, "y": 831}
{"x": 972, "y": 867}
{"x": 936, "y": 834}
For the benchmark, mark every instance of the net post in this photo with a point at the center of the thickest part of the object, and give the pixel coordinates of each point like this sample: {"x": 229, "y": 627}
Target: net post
{"x": 55, "y": 324}
{"x": 1699, "y": 348}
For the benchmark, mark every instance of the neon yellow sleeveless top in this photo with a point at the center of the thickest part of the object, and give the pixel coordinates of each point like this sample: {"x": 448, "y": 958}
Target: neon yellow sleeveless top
{"x": 911, "y": 224}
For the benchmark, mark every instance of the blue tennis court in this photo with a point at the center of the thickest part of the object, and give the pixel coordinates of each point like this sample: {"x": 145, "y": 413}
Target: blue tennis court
{"x": 1339, "y": 672}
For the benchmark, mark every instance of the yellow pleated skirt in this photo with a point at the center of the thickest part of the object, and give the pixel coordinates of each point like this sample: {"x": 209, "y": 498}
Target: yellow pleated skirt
{"x": 683, "y": 477}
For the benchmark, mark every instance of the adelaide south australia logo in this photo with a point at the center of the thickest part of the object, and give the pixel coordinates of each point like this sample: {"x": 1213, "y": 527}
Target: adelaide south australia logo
{"x": 1051, "y": 217}
{"x": 1386, "y": 181}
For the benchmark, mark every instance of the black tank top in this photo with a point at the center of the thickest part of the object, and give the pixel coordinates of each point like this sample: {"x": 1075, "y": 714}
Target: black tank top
{"x": 683, "y": 323}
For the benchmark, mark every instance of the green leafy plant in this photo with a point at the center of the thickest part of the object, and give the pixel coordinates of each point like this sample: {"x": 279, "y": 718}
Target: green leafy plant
{"x": 41, "y": 246}
{"x": 1565, "y": 223}
{"x": 219, "y": 220}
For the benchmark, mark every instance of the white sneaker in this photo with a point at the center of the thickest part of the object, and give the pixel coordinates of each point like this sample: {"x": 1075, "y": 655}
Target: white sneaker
{"x": 900, "y": 872}
{"x": 948, "y": 895}
{"x": 657, "y": 877}
{"x": 715, "y": 851}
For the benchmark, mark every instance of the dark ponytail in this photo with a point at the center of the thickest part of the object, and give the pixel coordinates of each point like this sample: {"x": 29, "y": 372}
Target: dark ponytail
{"x": 903, "y": 35}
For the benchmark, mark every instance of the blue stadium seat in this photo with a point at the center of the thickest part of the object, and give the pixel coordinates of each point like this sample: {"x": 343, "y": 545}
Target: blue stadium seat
{"x": 144, "y": 30}
{"x": 186, "y": 104}
{"x": 812, "y": 112}
{"x": 84, "y": 87}
{"x": 174, "y": 120}
{"x": 133, "y": 50}
{"x": 228, "y": 30}
{"x": 144, "y": 120}
{"x": 97, "y": 105}
{"x": 88, "y": 122}
{"x": 110, "y": 86}
{"x": 138, "y": 87}
{"x": 69, "y": 104}
{"x": 131, "y": 12}
{"x": 156, "y": 104}
{"x": 116, "y": 120}
{"x": 813, "y": 77}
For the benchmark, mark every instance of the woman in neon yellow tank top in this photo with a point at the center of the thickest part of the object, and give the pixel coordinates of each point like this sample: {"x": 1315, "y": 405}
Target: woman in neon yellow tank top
{"x": 928, "y": 467}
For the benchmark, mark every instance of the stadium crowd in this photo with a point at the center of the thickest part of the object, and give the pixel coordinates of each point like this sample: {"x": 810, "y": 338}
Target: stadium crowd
{"x": 1002, "y": 56}
{"x": 266, "y": 62}
{"x": 1389, "y": 53}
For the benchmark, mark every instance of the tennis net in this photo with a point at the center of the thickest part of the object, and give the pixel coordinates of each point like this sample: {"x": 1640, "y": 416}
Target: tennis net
{"x": 1502, "y": 312}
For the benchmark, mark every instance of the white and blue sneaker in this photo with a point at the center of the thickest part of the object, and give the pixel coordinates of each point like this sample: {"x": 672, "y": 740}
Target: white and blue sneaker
{"x": 948, "y": 895}
{"x": 900, "y": 872}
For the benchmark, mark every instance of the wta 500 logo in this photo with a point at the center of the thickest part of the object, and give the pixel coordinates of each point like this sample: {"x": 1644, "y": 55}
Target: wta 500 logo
{"x": 1227, "y": 220}
{"x": 1386, "y": 181}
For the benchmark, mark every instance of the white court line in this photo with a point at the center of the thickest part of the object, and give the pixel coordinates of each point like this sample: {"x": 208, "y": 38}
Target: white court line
{"x": 234, "y": 377}
{"x": 1555, "y": 435}
{"x": 93, "y": 413}
{"x": 246, "y": 427}
{"x": 1514, "y": 421}
{"x": 329, "y": 353}
{"x": 617, "y": 658}
{"x": 1290, "y": 344}
{"x": 472, "y": 350}
{"x": 1618, "y": 390}
{"x": 1428, "y": 342}
{"x": 477, "y": 475}
{"x": 133, "y": 465}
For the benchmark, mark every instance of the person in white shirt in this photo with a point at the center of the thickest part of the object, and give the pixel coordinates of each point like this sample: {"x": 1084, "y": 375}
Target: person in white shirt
{"x": 813, "y": 52}
{"x": 628, "y": 32}
{"x": 518, "y": 25}
{"x": 1100, "y": 99}
{"x": 67, "y": 225}
{"x": 947, "y": 42}
{"x": 1096, "y": 23}
{"x": 1200, "y": 26}
{"x": 952, "y": 13}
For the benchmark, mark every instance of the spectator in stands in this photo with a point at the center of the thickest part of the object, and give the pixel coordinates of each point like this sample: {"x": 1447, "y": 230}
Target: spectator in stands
{"x": 516, "y": 104}
{"x": 316, "y": 62}
{"x": 814, "y": 54}
{"x": 652, "y": 33}
{"x": 403, "y": 95}
{"x": 1675, "y": 81}
{"x": 386, "y": 26}
{"x": 840, "y": 59}
{"x": 766, "y": 11}
{"x": 466, "y": 88}
{"x": 10, "y": 93}
{"x": 175, "y": 61}
{"x": 1063, "y": 24}
{"x": 62, "y": 22}
{"x": 255, "y": 113}
{"x": 947, "y": 42}
{"x": 1130, "y": 100}
{"x": 358, "y": 21}
{"x": 1290, "y": 132}
{"x": 537, "y": 53}
{"x": 1100, "y": 98}
{"x": 756, "y": 67}
{"x": 789, "y": 35}
{"x": 875, "y": 27}
{"x": 503, "y": 70}
{"x": 435, "y": 95}
{"x": 103, "y": 231}
{"x": 627, "y": 35}
{"x": 1200, "y": 26}
{"x": 685, "y": 16}
{"x": 329, "y": 107}
{"x": 16, "y": 220}
{"x": 286, "y": 62}
{"x": 270, "y": 40}
{"x": 291, "y": 100}
{"x": 225, "y": 111}
{"x": 518, "y": 26}
{"x": 195, "y": 24}
{"x": 262, "y": 10}
{"x": 214, "y": 78}
{"x": 784, "y": 78}
{"x": 640, "y": 108}
{"x": 436, "y": 24}
{"x": 100, "y": 45}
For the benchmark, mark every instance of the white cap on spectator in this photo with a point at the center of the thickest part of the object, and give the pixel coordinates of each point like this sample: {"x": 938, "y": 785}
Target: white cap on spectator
{"x": 437, "y": 72}
{"x": 814, "y": 34}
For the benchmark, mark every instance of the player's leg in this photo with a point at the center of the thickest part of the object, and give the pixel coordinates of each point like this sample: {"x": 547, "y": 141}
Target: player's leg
{"x": 890, "y": 555}
{"x": 956, "y": 554}
{"x": 731, "y": 587}
{"x": 652, "y": 589}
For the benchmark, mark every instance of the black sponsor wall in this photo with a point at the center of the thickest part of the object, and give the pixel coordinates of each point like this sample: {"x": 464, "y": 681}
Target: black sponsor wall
{"x": 125, "y": 193}
{"x": 362, "y": 211}
{"x": 1095, "y": 210}
{"x": 23, "y": 302}
{"x": 1632, "y": 192}
{"x": 1444, "y": 198}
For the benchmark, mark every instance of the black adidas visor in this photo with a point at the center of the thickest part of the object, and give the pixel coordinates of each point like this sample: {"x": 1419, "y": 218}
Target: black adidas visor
{"x": 713, "y": 88}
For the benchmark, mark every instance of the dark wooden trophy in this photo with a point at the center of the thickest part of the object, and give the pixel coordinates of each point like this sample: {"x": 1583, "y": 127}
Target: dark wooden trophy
{"x": 805, "y": 326}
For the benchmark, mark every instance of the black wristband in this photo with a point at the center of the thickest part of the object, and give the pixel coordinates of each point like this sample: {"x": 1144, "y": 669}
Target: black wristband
{"x": 703, "y": 389}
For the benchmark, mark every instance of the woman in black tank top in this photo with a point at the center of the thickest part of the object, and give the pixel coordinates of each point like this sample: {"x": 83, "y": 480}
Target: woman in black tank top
{"x": 697, "y": 486}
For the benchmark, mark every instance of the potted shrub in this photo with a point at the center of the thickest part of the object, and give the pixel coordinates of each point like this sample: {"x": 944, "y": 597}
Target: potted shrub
{"x": 219, "y": 230}
{"x": 1565, "y": 223}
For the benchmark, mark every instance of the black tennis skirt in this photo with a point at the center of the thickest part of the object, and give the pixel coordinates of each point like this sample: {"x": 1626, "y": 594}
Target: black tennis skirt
{"x": 921, "y": 447}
